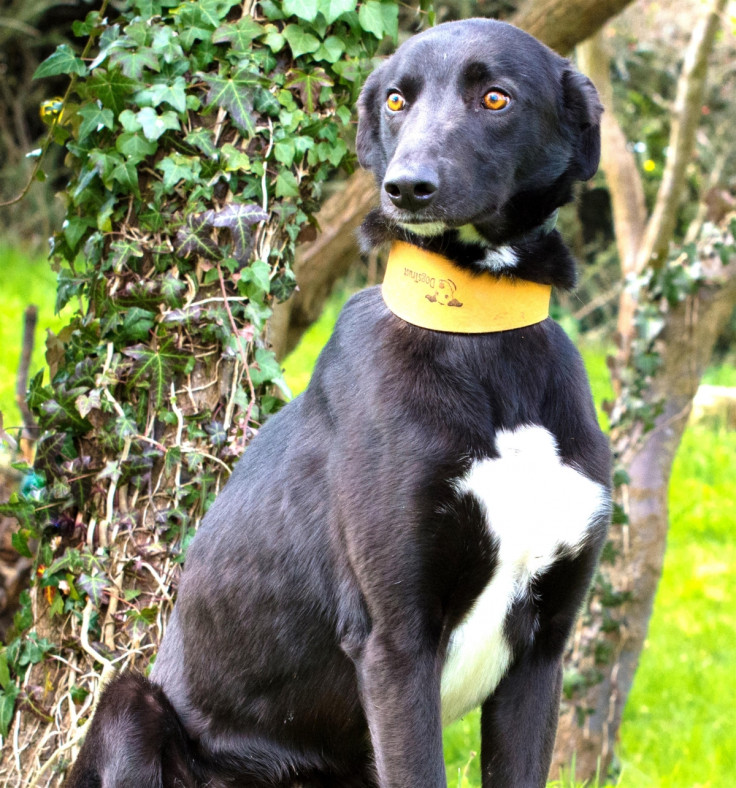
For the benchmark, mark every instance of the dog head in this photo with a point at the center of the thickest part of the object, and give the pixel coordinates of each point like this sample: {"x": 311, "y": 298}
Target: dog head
{"x": 477, "y": 125}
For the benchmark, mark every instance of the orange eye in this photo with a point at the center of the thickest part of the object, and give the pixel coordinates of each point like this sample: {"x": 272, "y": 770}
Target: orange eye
{"x": 395, "y": 101}
{"x": 496, "y": 99}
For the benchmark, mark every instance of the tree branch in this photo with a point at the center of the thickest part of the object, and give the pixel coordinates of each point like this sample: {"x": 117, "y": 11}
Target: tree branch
{"x": 686, "y": 116}
{"x": 561, "y": 24}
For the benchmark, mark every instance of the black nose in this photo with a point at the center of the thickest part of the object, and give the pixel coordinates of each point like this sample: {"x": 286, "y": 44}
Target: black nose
{"x": 412, "y": 191}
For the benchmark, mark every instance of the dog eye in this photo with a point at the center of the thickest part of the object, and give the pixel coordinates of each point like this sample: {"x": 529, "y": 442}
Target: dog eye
{"x": 496, "y": 99}
{"x": 395, "y": 101}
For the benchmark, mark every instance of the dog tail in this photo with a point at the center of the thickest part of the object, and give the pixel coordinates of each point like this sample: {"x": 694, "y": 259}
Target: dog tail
{"x": 135, "y": 739}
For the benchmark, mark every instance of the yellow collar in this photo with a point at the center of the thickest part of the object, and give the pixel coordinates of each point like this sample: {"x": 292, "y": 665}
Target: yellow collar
{"x": 430, "y": 291}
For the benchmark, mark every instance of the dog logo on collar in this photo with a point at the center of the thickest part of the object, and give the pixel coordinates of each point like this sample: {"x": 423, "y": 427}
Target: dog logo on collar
{"x": 444, "y": 294}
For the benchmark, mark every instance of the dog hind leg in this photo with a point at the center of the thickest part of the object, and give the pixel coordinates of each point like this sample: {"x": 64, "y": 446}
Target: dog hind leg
{"x": 134, "y": 739}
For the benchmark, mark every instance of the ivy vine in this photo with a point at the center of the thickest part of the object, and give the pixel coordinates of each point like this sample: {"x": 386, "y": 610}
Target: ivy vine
{"x": 199, "y": 135}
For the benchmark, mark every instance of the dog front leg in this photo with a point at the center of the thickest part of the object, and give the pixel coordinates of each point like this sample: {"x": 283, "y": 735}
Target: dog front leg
{"x": 519, "y": 722}
{"x": 400, "y": 691}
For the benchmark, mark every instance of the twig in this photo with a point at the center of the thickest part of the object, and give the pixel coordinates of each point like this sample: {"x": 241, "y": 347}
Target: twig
{"x": 30, "y": 318}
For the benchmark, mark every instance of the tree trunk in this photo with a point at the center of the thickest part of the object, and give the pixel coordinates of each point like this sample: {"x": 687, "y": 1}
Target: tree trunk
{"x": 611, "y": 635}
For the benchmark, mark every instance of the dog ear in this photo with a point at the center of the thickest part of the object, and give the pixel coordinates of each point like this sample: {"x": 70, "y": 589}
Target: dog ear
{"x": 368, "y": 142}
{"x": 584, "y": 111}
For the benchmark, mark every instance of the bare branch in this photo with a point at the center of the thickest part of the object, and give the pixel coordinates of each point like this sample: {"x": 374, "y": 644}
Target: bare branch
{"x": 686, "y": 114}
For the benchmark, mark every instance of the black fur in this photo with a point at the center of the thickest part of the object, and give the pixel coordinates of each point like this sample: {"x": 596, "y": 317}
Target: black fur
{"x": 318, "y": 599}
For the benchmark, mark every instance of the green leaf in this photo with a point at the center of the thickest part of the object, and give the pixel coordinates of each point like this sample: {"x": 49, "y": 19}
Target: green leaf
{"x": 300, "y": 41}
{"x": 126, "y": 175}
{"x": 135, "y": 146}
{"x": 287, "y": 185}
{"x": 176, "y": 168}
{"x": 194, "y": 237}
{"x": 155, "y": 125}
{"x": 239, "y": 219}
{"x": 204, "y": 140}
{"x": 95, "y": 587}
{"x": 7, "y": 706}
{"x": 4, "y": 670}
{"x": 95, "y": 118}
{"x": 112, "y": 88}
{"x": 284, "y": 151}
{"x": 259, "y": 274}
{"x": 332, "y": 49}
{"x": 155, "y": 368}
{"x": 238, "y": 34}
{"x": 235, "y": 94}
{"x": 133, "y": 62}
{"x": 332, "y": 9}
{"x": 19, "y": 540}
{"x": 173, "y": 93}
{"x": 166, "y": 45}
{"x": 308, "y": 85}
{"x": 214, "y": 11}
{"x": 122, "y": 251}
{"x": 379, "y": 19}
{"x": 304, "y": 9}
{"x": 62, "y": 61}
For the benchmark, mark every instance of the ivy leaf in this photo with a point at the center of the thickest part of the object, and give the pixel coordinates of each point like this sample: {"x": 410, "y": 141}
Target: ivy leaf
{"x": 7, "y": 705}
{"x": 126, "y": 175}
{"x": 94, "y": 585}
{"x": 155, "y": 125}
{"x": 155, "y": 368}
{"x": 308, "y": 85}
{"x": 94, "y": 119}
{"x": 332, "y": 9}
{"x": 238, "y": 34}
{"x": 214, "y": 11}
{"x": 176, "y": 168}
{"x": 203, "y": 140}
{"x": 380, "y": 19}
{"x": 300, "y": 41}
{"x": 122, "y": 251}
{"x": 195, "y": 238}
{"x": 62, "y": 61}
{"x": 235, "y": 94}
{"x": 133, "y": 62}
{"x": 239, "y": 219}
{"x": 331, "y": 50}
{"x": 112, "y": 88}
{"x": 134, "y": 146}
{"x": 166, "y": 45}
{"x": 173, "y": 93}
{"x": 304, "y": 9}
{"x": 287, "y": 185}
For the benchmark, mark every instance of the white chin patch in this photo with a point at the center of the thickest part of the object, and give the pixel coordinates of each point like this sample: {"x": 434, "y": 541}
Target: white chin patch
{"x": 500, "y": 259}
{"x": 426, "y": 229}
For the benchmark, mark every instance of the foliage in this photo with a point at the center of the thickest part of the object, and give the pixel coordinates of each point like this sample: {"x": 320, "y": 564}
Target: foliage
{"x": 199, "y": 136}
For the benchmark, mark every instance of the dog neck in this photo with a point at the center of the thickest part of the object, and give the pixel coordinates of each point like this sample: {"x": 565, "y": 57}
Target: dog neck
{"x": 538, "y": 255}
{"x": 431, "y": 291}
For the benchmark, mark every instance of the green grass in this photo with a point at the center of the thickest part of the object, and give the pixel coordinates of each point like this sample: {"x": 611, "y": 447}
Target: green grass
{"x": 24, "y": 280}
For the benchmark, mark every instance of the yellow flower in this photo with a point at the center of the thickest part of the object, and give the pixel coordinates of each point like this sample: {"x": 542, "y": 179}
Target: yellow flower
{"x": 649, "y": 166}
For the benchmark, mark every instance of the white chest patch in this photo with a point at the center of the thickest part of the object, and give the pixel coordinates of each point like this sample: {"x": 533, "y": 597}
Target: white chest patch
{"x": 535, "y": 506}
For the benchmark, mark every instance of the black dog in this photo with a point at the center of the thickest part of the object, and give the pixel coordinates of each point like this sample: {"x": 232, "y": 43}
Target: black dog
{"x": 413, "y": 536}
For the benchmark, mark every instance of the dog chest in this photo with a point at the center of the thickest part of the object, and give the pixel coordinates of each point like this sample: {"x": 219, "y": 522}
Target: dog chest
{"x": 537, "y": 509}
